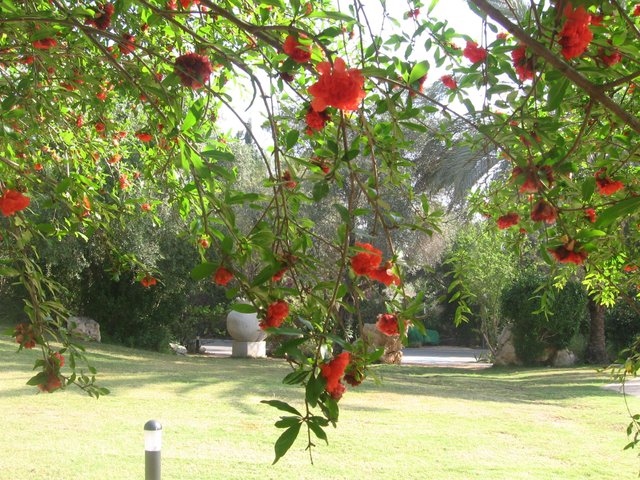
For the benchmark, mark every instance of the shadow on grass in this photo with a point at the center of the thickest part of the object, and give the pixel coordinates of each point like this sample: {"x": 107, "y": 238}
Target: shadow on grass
{"x": 123, "y": 369}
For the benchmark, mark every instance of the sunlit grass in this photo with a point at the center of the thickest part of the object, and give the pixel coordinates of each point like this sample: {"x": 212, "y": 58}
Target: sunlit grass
{"x": 423, "y": 423}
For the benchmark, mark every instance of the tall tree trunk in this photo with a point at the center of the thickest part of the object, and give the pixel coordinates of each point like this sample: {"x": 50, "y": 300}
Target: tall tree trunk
{"x": 596, "y": 350}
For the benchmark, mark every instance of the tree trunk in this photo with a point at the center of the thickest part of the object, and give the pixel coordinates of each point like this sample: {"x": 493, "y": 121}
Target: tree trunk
{"x": 596, "y": 350}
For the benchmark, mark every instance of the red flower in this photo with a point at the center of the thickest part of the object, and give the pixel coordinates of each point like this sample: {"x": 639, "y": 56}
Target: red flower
{"x": 28, "y": 60}
{"x": 297, "y": 52}
{"x": 279, "y": 274}
{"x": 388, "y": 324}
{"x": 148, "y": 281}
{"x": 87, "y": 207}
{"x": 590, "y": 213}
{"x": 363, "y": 263}
{"x": 522, "y": 64}
{"x": 58, "y": 359}
{"x": 102, "y": 95}
{"x": 502, "y": 35}
{"x": 610, "y": 60}
{"x": 605, "y": 185}
{"x": 204, "y": 243}
{"x": 222, "y": 276}
{"x": 194, "y": 70}
{"x": 102, "y": 19}
{"x": 636, "y": 11}
{"x": 124, "y": 182}
{"x": 144, "y": 137}
{"x": 187, "y": 3}
{"x": 474, "y": 53}
{"x": 52, "y": 383}
{"x": 567, "y": 253}
{"x": 38, "y": 167}
{"x": 420, "y": 85}
{"x": 316, "y": 120}
{"x": 25, "y": 336}
{"x": 288, "y": 182}
{"x": 79, "y": 121}
{"x": 44, "y": 44}
{"x": 276, "y": 314}
{"x": 337, "y": 87}
{"x": 630, "y": 268}
{"x": 575, "y": 35}
{"x": 384, "y": 274}
{"x": 127, "y": 45}
{"x": 531, "y": 183}
{"x": 324, "y": 166}
{"x": 145, "y": 207}
{"x": 172, "y": 5}
{"x": 597, "y": 20}
{"x": 543, "y": 211}
{"x": 508, "y": 220}
{"x": 449, "y": 82}
{"x": 100, "y": 127}
{"x": 333, "y": 372}
{"x": 13, "y": 201}
{"x": 413, "y": 13}
{"x": 115, "y": 158}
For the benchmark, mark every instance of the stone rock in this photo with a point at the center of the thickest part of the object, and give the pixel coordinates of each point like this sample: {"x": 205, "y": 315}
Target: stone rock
{"x": 564, "y": 358}
{"x": 179, "y": 349}
{"x": 244, "y": 327}
{"x": 505, "y": 350}
{"x": 84, "y": 327}
{"x": 391, "y": 343}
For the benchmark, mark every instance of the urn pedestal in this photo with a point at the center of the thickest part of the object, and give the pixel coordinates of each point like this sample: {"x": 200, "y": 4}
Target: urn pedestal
{"x": 248, "y": 338}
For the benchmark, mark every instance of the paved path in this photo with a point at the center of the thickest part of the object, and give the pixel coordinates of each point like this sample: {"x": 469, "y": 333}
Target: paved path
{"x": 431, "y": 356}
{"x": 632, "y": 387}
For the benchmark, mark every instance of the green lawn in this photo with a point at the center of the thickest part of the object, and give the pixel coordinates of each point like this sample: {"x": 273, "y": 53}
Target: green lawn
{"x": 423, "y": 423}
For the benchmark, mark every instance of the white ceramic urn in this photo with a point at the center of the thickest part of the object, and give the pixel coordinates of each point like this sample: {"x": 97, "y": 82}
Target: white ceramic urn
{"x": 244, "y": 327}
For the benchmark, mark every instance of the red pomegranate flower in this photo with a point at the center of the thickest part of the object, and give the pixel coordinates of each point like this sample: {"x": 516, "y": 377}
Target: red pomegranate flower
{"x": 316, "y": 120}
{"x": 277, "y": 312}
{"x": 508, "y": 220}
{"x": 524, "y": 65}
{"x": 279, "y": 274}
{"x": 222, "y": 276}
{"x": 449, "y": 82}
{"x": 145, "y": 207}
{"x": 337, "y": 87}
{"x": 25, "y": 336}
{"x": 13, "y": 201}
{"x": 388, "y": 324}
{"x": 144, "y": 137}
{"x": 575, "y": 35}
{"x": 124, "y": 182}
{"x": 543, "y": 211}
{"x": 420, "y": 84}
{"x": 194, "y": 70}
{"x": 100, "y": 127}
{"x": 52, "y": 383}
{"x": 44, "y": 44}
{"x": 474, "y": 53}
{"x": 605, "y": 185}
{"x": 636, "y": 11}
{"x": 363, "y": 263}
{"x": 590, "y": 213}
{"x": 102, "y": 18}
{"x": 288, "y": 180}
{"x": 148, "y": 281}
{"x": 127, "y": 44}
{"x": 569, "y": 253}
{"x": 58, "y": 359}
{"x": 610, "y": 60}
{"x": 384, "y": 274}
{"x": 298, "y": 52}
{"x": 333, "y": 372}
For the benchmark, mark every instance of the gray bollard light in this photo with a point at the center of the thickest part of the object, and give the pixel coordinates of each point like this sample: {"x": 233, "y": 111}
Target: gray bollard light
{"x": 152, "y": 448}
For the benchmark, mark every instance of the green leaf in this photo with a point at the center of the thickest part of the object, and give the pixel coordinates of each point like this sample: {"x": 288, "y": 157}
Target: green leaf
{"x": 286, "y": 422}
{"x": 219, "y": 155}
{"x": 283, "y": 444}
{"x": 294, "y": 332}
{"x": 332, "y": 15}
{"x": 315, "y": 387}
{"x": 620, "y": 209}
{"x": 318, "y": 431}
{"x": 9, "y": 272}
{"x": 556, "y": 93}
{"x": 204, "y": 270}
{"x": 243, "y": 308}
{"x": 320, "y": 190}
{"x": 418, "y": 71}
{"x": 285, "y": 407}
{"x": 292, "y": 138}
{"x": 38, "y": 379}
{"x": 292, "y": 378}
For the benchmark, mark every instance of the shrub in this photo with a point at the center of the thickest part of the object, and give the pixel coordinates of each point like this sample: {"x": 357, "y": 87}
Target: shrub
{"x": 622, "y": 326}
{"x": 533, "y": 332}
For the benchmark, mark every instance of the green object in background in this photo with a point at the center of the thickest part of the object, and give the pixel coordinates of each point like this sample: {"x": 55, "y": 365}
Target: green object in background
{"x": 417, "y": 339}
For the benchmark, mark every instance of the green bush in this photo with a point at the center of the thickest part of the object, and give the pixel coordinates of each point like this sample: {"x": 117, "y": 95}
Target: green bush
{"x": 533, "y": 332}
{"x": 622, "y": 326}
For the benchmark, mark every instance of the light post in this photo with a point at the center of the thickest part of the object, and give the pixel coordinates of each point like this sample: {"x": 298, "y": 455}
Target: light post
{"x": 152, "y": 448}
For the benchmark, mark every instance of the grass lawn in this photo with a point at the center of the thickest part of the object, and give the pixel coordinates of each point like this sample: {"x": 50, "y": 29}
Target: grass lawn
{"x": 423, "y": 423}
